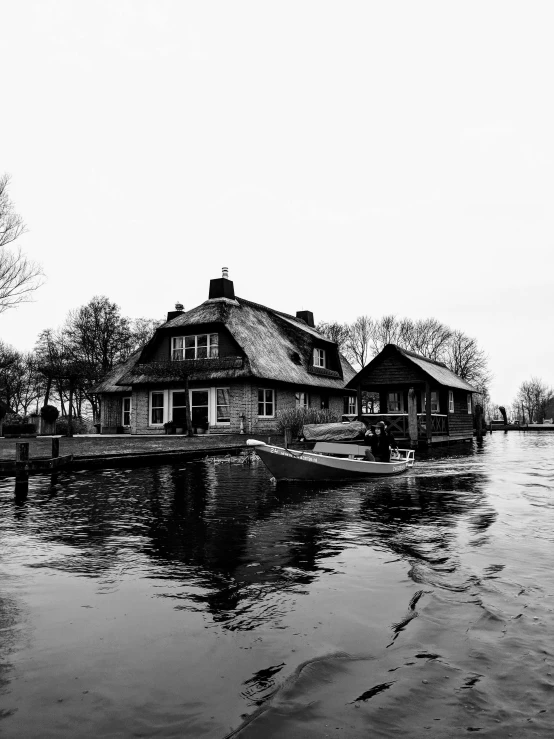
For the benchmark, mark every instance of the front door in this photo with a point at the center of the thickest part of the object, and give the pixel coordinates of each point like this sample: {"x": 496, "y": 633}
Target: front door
{"x": 200, "y": 408}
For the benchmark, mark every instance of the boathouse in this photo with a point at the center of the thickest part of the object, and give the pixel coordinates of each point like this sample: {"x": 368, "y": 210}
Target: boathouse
{"x": 422, "y": 400}
{"x": 239, "y": 362}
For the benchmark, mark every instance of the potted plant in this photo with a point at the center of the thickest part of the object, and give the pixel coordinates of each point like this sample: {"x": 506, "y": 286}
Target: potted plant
{"x": 169, "y": 427}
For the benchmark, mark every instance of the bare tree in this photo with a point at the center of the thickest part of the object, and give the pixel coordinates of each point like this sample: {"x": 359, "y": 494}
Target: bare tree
{"x": 19, "y": 276}
{"x": 358, "y": 349}
{"x": 337, "y": 332}
{"x": 533, "y": 397}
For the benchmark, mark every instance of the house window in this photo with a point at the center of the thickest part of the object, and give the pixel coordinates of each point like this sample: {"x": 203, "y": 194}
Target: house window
{"x": 319, "y": 357}
{"x": 394, "y": 403}
{"x": 324, "y": 401}
{"x": 302, "y": 400}
{"x": 156, "y": 409}
{"x": 469, "y": 407}
{"x": 451, "y": 401}
{"x": 435, "y": 407}
{"x": 202, "y": 346}
{"x": 266, "y": 403}
{"x": 223, "y": 408}
{"x": 126, "y": 415}
{"x": 350, "y": 405}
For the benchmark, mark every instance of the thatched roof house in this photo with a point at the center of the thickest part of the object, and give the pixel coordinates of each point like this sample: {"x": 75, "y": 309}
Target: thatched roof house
{"x": 241, "y": 361}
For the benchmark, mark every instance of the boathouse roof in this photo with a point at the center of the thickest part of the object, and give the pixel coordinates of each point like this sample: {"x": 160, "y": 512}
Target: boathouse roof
{"x": 271, "y": 345}
{"x": 380, "y": 370}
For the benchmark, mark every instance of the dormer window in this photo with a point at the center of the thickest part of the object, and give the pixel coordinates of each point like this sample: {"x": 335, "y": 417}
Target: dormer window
{"x": 319, "y": 358}
{"x": 201, "y": 346}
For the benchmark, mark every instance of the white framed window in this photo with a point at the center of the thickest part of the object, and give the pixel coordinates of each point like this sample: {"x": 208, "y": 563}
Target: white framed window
{"x": 469, "y": 404}
{"x": 156, "y": 408}
{"x": 435, "y": 407}
{"x": 394, "y": 403}
{"x": 302, "y": 400}
{"x": 126, "y": 412}
{"x": 451, "y": 401}
{"x": 266, "y": 403}
{"x": 200, "y": 346}
{"x": 222, "y": 405}
{"x": 319, "y": 358}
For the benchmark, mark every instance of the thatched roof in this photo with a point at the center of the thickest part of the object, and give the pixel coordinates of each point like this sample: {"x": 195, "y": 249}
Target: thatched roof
{"x": 432, "y": 370}
{"x": 109, "y": 383}
{"x": 275, "y": 346}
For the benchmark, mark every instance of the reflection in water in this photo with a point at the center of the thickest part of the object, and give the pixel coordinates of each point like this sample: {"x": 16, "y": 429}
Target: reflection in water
{"x": 220, "y": 571}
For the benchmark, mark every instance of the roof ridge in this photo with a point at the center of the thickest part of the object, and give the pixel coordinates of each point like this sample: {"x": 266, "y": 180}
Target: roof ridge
{"x": 271, "y": 310}
{"x": 420, "y": 356}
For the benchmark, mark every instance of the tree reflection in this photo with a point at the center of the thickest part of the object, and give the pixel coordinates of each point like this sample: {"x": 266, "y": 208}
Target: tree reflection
{"x": 231, "y": 539}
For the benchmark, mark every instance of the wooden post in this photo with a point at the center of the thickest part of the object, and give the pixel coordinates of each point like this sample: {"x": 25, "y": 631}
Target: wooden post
{"x": 22, "y": 451}
{"x": 412, "y": 417}
{"x": 55, "y": 448}
{"x": 21, "y": 468}
{"x": 428, "y": 420}
{"x": 288, "y": 436}
{"x": 359, "y": 401}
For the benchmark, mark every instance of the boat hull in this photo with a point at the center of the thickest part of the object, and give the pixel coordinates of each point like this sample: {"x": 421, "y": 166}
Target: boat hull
{"x": 291, "y": 465}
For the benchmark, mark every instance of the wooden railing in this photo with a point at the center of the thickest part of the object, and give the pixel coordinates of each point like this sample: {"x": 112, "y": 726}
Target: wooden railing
{"x": 398, "y": 422}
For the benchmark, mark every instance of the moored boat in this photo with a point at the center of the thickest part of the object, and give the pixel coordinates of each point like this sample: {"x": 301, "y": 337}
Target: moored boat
{"x": 328, "y": 461}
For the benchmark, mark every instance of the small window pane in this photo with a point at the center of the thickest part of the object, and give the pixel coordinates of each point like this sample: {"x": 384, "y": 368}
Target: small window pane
{"x": 157, "y": 415}
{"x": 223, "y": 396}
{"x": 178, "y": 342}
{"x": 179, "y": 400}
{"x": 202, "y": 352}
{"x": 189, "y": 353}
{"x": 157, "y": 400}
{"x": 202, "y": 340}
{"x": 214, "y": 339}
{"x": 189, "y": 341}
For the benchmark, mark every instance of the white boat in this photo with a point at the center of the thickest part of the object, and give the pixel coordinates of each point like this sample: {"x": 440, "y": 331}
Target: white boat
{"x": 329, "y": 461}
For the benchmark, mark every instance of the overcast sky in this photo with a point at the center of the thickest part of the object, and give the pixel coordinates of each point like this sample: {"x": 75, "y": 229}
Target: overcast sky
{"x": 342, "y": 157}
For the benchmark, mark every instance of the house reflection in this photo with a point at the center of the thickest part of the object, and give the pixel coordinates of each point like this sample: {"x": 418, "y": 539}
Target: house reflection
{"x": 231, "y": 539}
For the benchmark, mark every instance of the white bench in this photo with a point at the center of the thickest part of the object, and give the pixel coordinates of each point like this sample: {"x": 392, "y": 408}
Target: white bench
{"x": 353, "y": 450}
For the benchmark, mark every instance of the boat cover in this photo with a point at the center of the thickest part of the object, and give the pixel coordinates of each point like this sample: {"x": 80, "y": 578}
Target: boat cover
{"x": 334, "y": 431}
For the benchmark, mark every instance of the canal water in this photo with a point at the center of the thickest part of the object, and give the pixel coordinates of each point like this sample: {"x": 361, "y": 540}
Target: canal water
{"x": 203, "y": 600}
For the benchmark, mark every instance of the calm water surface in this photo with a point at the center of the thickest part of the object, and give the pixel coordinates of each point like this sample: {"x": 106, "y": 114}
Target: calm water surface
{"x": 205, "y": 601}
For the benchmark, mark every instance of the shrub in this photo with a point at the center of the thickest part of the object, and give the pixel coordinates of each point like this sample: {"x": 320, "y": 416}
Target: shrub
{"x": 49, "y": 413}
{"x": 19, "y": 428}
{"x": 79, "y": 426}
{"x": 296, "y": 418}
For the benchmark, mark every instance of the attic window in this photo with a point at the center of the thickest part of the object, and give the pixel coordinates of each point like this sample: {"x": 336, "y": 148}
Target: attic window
{"x": 295, "y": 356}
{"x": 202, "y": 346}
{"x": 319, "y": 358}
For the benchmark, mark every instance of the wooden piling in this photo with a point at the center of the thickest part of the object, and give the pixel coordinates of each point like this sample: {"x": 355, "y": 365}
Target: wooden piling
{"x": 55, "y": 448}
{"x": 428, "y": 418}
{"x": 22, "y": 468}
{"x": 412, "y": 417}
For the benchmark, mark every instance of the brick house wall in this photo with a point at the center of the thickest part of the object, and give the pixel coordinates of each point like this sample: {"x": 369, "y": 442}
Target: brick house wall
{"x": 243, "y": 400}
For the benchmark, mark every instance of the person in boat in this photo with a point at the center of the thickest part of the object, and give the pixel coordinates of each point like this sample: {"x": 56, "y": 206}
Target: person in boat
{"x": 386, "y": 440}
{"x": 371, "y": 440}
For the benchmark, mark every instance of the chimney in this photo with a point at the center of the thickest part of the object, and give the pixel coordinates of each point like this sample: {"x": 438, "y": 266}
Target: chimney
{"x": 179, "y": 308}
{"x": 307, "y": 316}
{"x": 222, "y": 287}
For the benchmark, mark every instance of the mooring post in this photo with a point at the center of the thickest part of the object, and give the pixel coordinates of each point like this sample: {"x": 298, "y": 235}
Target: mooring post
{"x": 21, "y": 468}
{"x": 288, "y": 436}
{"x": 55, "y": 448}
{"x": 412, "y": 418}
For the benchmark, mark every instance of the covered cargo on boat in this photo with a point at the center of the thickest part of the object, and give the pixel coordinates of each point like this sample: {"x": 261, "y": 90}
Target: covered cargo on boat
{"x": 334, "y": 431}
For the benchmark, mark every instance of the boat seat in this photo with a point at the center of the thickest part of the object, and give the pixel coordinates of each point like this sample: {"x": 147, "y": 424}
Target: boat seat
{"x": 347, "y": 450}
